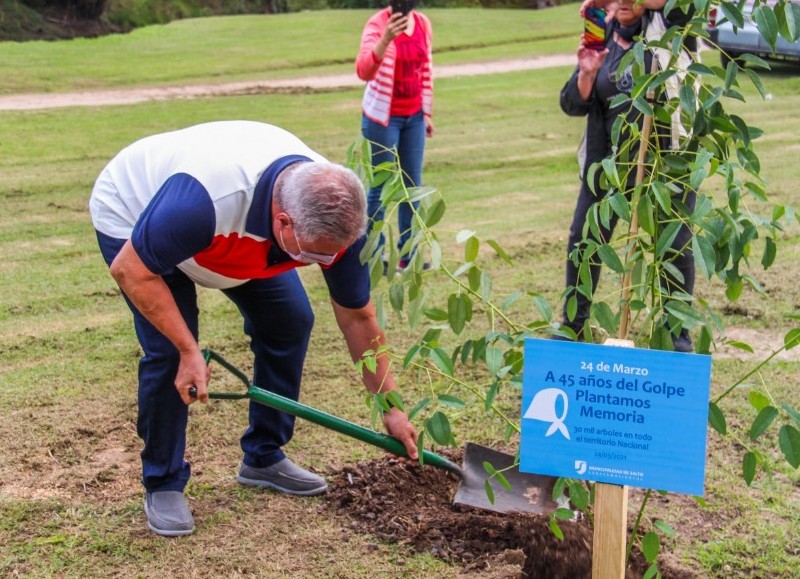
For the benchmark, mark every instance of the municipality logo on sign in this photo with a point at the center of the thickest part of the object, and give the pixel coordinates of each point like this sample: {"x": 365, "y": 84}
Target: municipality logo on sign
{"x": 544, "y": 407}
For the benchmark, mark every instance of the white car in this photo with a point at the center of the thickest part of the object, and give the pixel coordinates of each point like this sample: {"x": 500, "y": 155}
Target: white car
{"x": 747, "y": 39}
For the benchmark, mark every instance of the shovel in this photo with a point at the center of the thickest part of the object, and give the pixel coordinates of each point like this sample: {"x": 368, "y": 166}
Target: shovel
{"x": 528, "y": 493}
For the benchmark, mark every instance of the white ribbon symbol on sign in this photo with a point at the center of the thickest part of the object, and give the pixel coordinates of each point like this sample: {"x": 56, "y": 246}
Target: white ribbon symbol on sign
{"x": 543, "y": 408}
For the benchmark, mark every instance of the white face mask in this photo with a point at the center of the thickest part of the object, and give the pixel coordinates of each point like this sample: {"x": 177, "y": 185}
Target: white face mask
{"x": 306, "y": 257}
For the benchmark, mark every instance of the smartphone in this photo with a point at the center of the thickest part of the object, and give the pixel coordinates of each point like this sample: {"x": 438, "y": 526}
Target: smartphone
{"x": 402, "y": 6}
{"x": 594, "y": 29}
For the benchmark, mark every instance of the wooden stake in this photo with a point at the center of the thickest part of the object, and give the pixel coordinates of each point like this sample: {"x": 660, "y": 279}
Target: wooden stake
{"x": 610, "y": 531}
{"x": 609, "y": 542}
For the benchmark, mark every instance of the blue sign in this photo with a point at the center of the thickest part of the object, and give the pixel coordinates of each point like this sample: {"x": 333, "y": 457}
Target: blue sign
{"x": 616, "y": 415}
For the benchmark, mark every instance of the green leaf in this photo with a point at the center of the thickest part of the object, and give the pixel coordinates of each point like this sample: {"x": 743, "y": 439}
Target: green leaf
{"x": 459, "y": 311}
{"x": 650, "y": 546}
{"x": 572, "y": 307}
{"x": 770, "y": 250}
{"x": 564, "y": 514}
{"x": 791, "y": 339}
{"x": 757, "y": 400}
{"x": 418, "y": 407}
{"x": 463, "y": 235}
{"x": 396, "y": 295}
{"x": 664, "y": 527}
{"x": 435, "y": 314}
{"x": 667, "y": 237}
{"x": 555, "y": 529}
{"x": 487, "y": 488}
{"x": 496, "y": 474}
{"x": 730, "y": 76}
{"x": 471, "y": 248}
{"x": 605, "y": 317}
{"x": 663, "y": 196}
{"x": 688, "y": 98}
{"x": 542, "y": 306}
{"x": 762, "y": 421}
{"x": 610, "y": 258}
{"x": 732, "y": 13}
{"x": 794, "y": 414}
{"x": 716, "y": 418}
{"x": 705, "y": 258}
{"x": 789, "y": 443}
{"x": 704, "y": 339}
{"x": 698, "y": 68}
{"x": 494, "y": 359}
{"x": 790, "y": 19}
{"x": 491, "y": 393}
{"x": 451, "y": 401}
{"x": 661, "y": 340}
{"x": 619, "y": 204}
{"x": 499, "y": 250}
{"x": 767, "y": 24}
{"x": 438, "y": 428}
{"x": 689, "y": 317}
{"x": 744, "y": 346}
{"x": 442, "y": 361}
{"x": 734, "y": 290}
{"x": 749, "y": 467}
{"x": 756, "y": 80}
{"x": 578, "y": 496}
{"x": 434, "y": 214}
{"x": 652, "y": 571}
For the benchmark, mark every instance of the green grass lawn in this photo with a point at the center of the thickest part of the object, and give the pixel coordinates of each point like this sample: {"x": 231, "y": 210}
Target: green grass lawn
{"x": 504, "y": 160}
{"x": 233, "y": 48}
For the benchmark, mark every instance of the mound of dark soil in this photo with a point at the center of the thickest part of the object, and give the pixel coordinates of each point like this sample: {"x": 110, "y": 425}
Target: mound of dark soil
{"x": 406, "y": 504}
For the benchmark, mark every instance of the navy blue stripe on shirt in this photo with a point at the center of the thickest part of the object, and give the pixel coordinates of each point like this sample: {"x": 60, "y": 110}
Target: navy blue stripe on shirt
{"x": 348, "y": 278}
{"x": 178, "y": 223}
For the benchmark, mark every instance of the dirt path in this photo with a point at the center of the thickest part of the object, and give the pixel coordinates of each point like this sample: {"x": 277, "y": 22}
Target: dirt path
{"x": 128, "y": 96}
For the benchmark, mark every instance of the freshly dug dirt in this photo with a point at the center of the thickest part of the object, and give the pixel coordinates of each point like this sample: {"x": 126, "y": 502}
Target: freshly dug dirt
{"x": 406, "y": 504}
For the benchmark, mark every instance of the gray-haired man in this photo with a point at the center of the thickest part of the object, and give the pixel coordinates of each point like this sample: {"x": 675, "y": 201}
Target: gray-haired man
{"x": 237, "y": 206}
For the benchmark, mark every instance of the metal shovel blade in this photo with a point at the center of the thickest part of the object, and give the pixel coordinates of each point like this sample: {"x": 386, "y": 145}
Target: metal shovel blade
{"x": 530, "y": 493}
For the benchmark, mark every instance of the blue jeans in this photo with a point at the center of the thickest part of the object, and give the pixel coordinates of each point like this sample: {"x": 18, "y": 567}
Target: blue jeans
{"x": 407, "y": 135}
{"x": 277, "y": 318}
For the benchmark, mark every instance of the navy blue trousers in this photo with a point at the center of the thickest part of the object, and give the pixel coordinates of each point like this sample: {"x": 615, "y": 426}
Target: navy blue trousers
{"x": 278, "y": 320}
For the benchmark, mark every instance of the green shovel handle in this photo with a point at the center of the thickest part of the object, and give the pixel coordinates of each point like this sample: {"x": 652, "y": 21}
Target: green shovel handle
{"x": 321, "y": 418}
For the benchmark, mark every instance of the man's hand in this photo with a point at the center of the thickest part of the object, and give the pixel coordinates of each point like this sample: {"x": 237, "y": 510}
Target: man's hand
{"x": 151, "y": 296}
{"x": 193, "y": 371}
{"x": 397, "y": 425}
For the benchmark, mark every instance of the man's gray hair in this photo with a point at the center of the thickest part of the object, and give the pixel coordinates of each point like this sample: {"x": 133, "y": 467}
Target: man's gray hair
{"x": 324, "y": 200}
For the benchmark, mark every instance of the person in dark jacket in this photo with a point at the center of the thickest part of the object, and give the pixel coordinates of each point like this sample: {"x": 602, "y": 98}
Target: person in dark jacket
{"x": 589, "y": 93}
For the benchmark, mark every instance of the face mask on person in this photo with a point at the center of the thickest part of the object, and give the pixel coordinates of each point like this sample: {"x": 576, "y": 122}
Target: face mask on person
{"x": 306, "y": 256}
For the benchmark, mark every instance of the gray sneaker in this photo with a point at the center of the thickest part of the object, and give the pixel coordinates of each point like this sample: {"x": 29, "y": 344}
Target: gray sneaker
{"x": 284, "y": 476}
{"x": 168, "y": 514}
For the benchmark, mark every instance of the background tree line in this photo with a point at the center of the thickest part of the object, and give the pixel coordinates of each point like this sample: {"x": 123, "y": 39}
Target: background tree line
{"x": 55, "y": 19}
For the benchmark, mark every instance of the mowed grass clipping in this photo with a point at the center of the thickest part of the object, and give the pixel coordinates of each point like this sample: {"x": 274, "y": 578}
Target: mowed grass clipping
{"x": 504, "y": 160}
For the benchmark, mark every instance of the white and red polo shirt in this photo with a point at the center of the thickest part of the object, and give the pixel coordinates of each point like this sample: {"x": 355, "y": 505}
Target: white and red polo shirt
{"x": 200, "y": 198}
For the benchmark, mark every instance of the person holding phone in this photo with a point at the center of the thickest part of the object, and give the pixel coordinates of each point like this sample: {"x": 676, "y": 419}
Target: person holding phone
{"x": 589, "y": 93}
{"x": 395, "y": 60}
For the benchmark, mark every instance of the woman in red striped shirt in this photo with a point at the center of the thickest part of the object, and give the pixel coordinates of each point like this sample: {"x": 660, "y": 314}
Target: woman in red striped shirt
{"x": 395, "y": 60}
